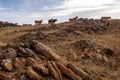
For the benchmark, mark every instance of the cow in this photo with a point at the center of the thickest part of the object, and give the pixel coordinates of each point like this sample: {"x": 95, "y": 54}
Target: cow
{"x": 73, "y": 19}
{"x": 52, "y": 21}
{"x": 38, "y": 22}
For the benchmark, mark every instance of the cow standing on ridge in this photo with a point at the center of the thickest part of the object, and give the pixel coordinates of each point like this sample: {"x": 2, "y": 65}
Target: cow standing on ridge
{"x": 73, "y": 19}
{"x": 52, "y": 21}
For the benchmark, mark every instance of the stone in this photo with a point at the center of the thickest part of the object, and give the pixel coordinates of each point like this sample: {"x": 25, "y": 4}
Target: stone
{"x": 79, "y": 72}
{"x": 67, "y": 71}
{"x": 54, "y": 70}
{"x": 1, "y": 68}
{"x": 11, "y": 53}
{"x": 108, "y": 51}
{"x": 32, "y": 74}
{"x": 72, "y": 57}
{"x": 41, "y": 49}
{"x": 19, "y": 64}
{"x": 5, "y": 76}
{"x": 23, "y": 77}
{"x": 24, "y": 53}
{"x": 30, "y": 61}
{"x": 7, "y": 64}
{"x": 41, "y": 68}
{"x": 32, "y": 53}
{"x": 85, "y": 45}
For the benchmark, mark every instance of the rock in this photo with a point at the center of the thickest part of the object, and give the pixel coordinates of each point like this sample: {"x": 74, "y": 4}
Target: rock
{"x": 32, "y": 53}
{"x": 24, "y": 53}
{"x": 67, "y": 71}
{"x": 79, "y": 72}
{"x": 30, "y": 61}
{"x": 41, "y": 68}
{"x": 37, "y": 65}
{"x": 54, "y": 71}
{"x": 23, "y": 77}
{"x": 86, "y": 56}
{"x": 41, "y": 49}
{"x": 72, "y": 57}
{"x": 11, "y": 53}
{"x": 7, "y": 64}
{"x": 1, "y": 68}
{"x": 19, "y": 64}
{"x": 108, "y": 51}
{"x": 85, "y": 45}
{"x": 5, "y": 76}
{"x": 41, "y": 35}
{"x": 32, "y": 74}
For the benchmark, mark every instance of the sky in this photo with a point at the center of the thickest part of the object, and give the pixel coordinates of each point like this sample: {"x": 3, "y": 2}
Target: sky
{"x": 26, "y": 11}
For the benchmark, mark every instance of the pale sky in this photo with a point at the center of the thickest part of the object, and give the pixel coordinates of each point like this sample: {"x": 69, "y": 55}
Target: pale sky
{"x": 26, "y": 11}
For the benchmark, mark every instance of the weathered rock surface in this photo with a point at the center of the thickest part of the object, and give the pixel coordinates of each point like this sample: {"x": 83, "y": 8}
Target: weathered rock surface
{"x": 19, "y": 64}
{"x": 79, "y": 72}
{"x": 7, "y": 64}
{"x": 41, "y": 68}
{"x": 41, "y": 49}
{"x": 54, "y": 71}
{"x": 5, "y": 76}
{"x": 33, "y": 75}
{"x": 11, "y": 53}
{"x": 67, "y": 71}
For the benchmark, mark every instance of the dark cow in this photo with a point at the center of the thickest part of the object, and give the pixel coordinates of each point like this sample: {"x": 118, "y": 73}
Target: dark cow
{"x": 52, "y": 21}
{"x": 73, "y": 19}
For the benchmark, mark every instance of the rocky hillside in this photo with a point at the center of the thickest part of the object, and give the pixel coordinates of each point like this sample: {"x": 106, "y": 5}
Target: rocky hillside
{"x": 83, "y": 50}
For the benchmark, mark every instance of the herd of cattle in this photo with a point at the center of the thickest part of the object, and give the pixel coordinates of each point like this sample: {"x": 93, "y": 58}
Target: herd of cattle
{"x": 50, "y": 21}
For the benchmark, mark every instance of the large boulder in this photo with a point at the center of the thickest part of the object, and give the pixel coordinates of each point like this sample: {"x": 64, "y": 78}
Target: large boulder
{"x": 41, "y": 49}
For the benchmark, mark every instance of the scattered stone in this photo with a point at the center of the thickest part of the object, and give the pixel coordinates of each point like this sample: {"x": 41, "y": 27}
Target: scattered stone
{"x": 7, "y": 64}
{"x": 5, "y": 76}
{"x": 72, "y": 57}
{"x": 79, "y": 72}
{"x": 23, "y": 77}
{"x": 54, "y": 71}
{"x": 67, "y": 71}
{"x": 85, "y": 45}
{"x": 107, "y": 51}
{"x": 1, "y": 68}
{"x": 32, "y": 74}
{"x": 24, "y": 53}
{"x": 32, "y": 53}
{"x": 11, "y": 53}
{"x": 19, "y": 64}
{"x": 41, "y": 68}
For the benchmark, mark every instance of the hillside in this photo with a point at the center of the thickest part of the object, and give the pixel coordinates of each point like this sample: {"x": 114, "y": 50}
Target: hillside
{"x": 90, "y": 46}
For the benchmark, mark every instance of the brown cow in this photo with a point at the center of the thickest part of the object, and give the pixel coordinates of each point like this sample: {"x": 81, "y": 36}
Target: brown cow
{"x": 52, "y": 21}
{"x": 73, "y": 19}
{"x": 38, "y": 22}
